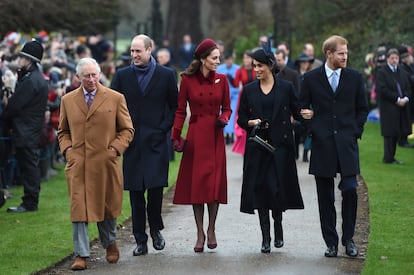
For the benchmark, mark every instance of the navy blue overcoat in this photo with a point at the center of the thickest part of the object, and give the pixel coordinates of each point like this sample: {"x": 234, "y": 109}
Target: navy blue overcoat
{"x": 146, "y": 161}
{"x": 337, "y": 123}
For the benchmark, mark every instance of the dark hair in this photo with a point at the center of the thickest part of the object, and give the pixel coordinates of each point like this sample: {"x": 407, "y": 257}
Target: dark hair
{"x": 267, "y": 58}
{"x": 392, "y": 51}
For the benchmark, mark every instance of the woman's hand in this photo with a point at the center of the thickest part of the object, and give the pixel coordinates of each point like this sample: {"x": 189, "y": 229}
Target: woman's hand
{"x": 306, "y": 113}
{"x": 254, "y": 122}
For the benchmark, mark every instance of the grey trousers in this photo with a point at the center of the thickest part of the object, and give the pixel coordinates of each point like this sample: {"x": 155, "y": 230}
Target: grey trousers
{"x": 107, "y": 235}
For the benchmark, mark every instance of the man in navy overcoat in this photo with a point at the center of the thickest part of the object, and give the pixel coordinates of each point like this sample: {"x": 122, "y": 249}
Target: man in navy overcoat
{"x": 333, "y": 96}
{"x": 151, "y": 94}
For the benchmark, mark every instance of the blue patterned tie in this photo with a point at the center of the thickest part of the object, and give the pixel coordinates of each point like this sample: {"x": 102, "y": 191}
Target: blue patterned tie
{"x": 90, "y": 99}
{"x": 334, "y": 81}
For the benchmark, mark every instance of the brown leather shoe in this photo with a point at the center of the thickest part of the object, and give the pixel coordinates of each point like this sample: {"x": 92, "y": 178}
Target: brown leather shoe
{"x": 79, "y": 264}
{"x": 112, "y": 253}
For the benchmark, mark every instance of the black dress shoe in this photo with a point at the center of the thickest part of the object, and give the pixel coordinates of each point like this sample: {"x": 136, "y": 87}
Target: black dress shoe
{"x": 331, "y": 251}
{"x": 407, "y": 145}
{"x": 157, "y": 240}
{"x": 350, "y": 249}
{"x": 19, "y": 209}
{"x": 141, "y": 249}
{"x": 279, "y": 243}
{"x": 396, "y": 162}
{"x": 265, "y": 247}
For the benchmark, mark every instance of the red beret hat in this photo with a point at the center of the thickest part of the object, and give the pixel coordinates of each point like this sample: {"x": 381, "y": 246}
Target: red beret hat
{"x": 204, "y": 46}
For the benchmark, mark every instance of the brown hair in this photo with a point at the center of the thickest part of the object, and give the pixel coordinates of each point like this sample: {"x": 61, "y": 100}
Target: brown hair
{"x": 196, "y": 63}
{"x": 332, "y": 42}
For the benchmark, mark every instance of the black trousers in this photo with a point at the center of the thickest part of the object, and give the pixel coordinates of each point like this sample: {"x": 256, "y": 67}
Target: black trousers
{"x": 327, "y": 212}
{"x": 140, "y": 209}
{"x": 28, "y": 161}
{"x": 390, "y": 146}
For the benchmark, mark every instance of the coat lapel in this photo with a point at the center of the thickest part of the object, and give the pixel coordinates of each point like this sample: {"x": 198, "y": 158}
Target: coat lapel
{"x": 80, "y": 100}
{"x": 277, "y": 101}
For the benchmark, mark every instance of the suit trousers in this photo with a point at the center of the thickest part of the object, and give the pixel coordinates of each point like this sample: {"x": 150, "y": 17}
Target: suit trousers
{"x": 140, "y": 209}
{"x": 107, "y": 236}
{"x": 390, "y": 147}
{"x": 28, "y": 161}
{"x": 327, "y": 211}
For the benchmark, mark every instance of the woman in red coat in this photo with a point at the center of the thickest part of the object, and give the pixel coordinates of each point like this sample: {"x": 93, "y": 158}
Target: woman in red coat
{"x": 244, "y": 75}
{"x": 202, "y": 177}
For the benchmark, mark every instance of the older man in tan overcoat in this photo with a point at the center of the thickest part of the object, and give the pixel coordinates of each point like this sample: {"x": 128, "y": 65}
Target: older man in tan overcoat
{"x": 92, "y": 139}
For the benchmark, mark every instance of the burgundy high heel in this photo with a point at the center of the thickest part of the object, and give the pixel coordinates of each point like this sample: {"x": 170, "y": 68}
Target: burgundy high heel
{"x": 198, "y": 249}
{"x": 212, "y": 245}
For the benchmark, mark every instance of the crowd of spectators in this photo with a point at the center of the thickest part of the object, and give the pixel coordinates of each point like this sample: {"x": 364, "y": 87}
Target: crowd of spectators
{"x": 61, "y": 54}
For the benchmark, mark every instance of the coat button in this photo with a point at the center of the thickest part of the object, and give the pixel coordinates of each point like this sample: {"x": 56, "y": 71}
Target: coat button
{"x": 335, "y": 132}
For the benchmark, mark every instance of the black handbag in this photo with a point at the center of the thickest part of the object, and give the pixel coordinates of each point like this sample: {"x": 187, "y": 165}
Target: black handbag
{"x": 262, "y": 142}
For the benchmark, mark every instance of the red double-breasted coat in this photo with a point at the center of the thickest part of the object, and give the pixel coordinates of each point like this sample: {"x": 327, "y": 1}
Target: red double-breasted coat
{"x": 202, "y": 176}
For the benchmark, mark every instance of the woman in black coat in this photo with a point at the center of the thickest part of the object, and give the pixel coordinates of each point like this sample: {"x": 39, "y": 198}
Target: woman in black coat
{"x": 270, "y": 180}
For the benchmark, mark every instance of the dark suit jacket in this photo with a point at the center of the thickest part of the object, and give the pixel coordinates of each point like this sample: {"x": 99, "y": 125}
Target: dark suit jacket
{"x": 395, "y": 120}
{"x": 337, "y": 123}
{"x": 291, "y": 64}
{"x": 290, "y": 75}
{"x": 152, "y": 112}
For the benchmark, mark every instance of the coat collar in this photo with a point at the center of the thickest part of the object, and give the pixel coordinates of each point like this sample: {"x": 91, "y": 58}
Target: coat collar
{"x": 210, "y": 78}
{"x": 99, "y": 98}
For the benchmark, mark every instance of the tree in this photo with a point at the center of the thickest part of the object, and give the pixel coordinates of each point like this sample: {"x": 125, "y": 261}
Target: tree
{"x": 183, "y": 18}
{"x": 74, "y": 16}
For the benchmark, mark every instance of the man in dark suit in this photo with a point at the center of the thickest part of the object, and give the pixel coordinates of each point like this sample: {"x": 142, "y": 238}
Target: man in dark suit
{"x": 333, "y": 96}
{"x": 186, "y": 52}
{"x": 393, "y": 89}
{"x": 285, "y": 72}
{"x": 288, "y": 62}
{"x": 151, "y": 94}
{"x": 291, "y": 75}
{"x": 406, "y": 64}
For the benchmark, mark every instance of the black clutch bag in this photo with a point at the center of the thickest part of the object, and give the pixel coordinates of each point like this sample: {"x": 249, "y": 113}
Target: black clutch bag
{"x": 260, "y": 141}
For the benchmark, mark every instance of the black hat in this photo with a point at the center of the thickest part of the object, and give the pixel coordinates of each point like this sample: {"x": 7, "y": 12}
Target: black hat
{"x": 32, "y": 50}
{"x": 403, "y": 50}
{"x": 304, "y": 58}
{"x": 267, "y": 58}
{"x": 264, "y": 57}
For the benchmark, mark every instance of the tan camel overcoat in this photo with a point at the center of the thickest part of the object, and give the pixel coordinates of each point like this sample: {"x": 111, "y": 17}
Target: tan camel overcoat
{"x": 93, "y": 169}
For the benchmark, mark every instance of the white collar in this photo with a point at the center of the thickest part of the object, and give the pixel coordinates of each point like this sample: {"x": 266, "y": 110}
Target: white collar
{"x": 329, "y": 71}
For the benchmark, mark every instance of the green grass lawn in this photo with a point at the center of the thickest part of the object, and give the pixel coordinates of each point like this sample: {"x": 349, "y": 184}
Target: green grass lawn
{"x": 33, "y": 241}
{"x": 391, "y": 197}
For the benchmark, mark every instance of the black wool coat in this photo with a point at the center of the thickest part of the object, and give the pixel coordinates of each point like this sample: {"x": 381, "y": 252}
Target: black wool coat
{"x": 25, "y": 111}
{"x": 337, "y": 123}
{"x": 395, "y": 120}
{"x": 277, "y": 173}
{"x": 146, "y": 161}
